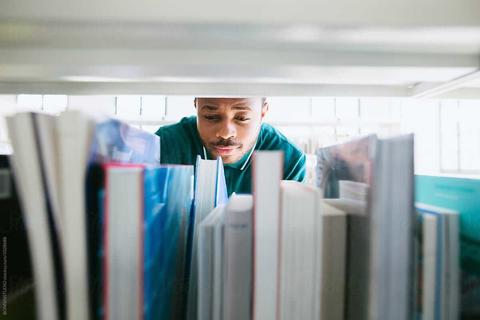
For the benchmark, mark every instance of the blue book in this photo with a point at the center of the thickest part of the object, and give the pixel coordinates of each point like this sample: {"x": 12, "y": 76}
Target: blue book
{"x": 114, "y": 140}
{"x": 210, "y": 190}
{"x": 463, "y": 196}
{"x": 434, "y": 294}
{"x": 150, "y": 267}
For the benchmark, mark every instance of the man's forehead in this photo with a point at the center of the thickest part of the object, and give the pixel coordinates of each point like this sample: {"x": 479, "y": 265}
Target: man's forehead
{"x": 230, "y": 102}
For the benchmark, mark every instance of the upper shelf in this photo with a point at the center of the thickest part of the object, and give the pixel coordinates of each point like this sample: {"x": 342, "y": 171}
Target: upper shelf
{"x": 350, "y": 48}
{"x": 340, "y": 13}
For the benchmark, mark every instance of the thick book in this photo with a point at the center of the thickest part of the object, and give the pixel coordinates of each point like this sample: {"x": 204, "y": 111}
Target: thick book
{"x": 267, "y": 173}
{"x": 30, "y": 179}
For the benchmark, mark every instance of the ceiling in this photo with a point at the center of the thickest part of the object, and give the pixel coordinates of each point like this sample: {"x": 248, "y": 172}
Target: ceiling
{"x": 218, "y": 50}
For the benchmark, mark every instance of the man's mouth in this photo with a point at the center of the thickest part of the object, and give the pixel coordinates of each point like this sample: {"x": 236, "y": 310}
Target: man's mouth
{"x": 223, "y": 151}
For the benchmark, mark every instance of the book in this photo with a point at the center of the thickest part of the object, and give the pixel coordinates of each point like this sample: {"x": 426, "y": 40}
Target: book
{"x": 210, "y": 265}
{"x": 300, "y": 251}
{"x": 123, "y": 242}
{"x": 51, "y": 160}
{"x": 238, "y": 257}
{"x": 267, "y": 173}
{"x": 145, "y": 209}
{"x": 225, "y": 261}
{"x": 210, "y": 191}
{"x": 84, "y": 139}
{"x": 463, "y": 196}
{"x": 350, "y": 161}
{"x": 440, "y": 263}
{"x": 380, "y": 221}
{"x": 39, "y": 219}
{"x": 333, "y": 262}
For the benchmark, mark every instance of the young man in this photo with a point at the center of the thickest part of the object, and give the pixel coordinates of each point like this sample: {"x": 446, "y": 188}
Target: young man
{"x": 231, "y": 128}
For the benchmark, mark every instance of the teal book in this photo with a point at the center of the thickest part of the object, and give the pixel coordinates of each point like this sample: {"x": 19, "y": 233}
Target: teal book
{"x": 461, "y": 195}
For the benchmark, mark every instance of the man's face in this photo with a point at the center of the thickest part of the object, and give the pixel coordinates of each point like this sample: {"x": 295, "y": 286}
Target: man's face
{"x": 229, "y": 127}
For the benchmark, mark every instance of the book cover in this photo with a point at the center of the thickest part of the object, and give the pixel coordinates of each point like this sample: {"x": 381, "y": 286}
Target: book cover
{"x": 17, "y": 297}
{"x": 463, "y": 196}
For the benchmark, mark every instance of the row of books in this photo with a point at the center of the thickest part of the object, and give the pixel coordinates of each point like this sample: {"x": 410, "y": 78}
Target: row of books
{"x": 110, "y": 232}
{"x": 114, "y": 235}
{"x": 357, "y": 246}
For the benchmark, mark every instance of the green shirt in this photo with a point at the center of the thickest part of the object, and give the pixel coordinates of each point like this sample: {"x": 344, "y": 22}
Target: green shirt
{"x": 180, "y": 143}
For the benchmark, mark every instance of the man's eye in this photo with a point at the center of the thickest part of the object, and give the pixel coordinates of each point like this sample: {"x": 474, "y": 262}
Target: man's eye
{"x": 211, "y": 117}
{"x": 242, "y": 119}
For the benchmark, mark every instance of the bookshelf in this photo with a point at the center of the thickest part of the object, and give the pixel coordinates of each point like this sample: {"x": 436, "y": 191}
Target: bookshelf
{"x": 307, "y": 48}
{"x": 426, "y": 55}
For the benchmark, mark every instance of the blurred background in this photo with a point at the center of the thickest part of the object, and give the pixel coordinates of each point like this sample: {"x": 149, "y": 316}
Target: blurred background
{"x": 447, "y": 131}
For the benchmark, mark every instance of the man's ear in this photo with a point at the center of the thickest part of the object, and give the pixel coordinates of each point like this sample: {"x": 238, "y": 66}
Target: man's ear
{"x": 265, "y": 107}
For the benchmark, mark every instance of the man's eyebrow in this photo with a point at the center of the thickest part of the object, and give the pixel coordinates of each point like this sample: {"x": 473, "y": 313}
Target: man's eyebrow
{"x": 209, "y": 107}
{"x": 241, "y": 107}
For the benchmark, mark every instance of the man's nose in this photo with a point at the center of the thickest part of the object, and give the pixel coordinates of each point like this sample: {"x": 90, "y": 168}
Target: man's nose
{"x": 227, "y": 130}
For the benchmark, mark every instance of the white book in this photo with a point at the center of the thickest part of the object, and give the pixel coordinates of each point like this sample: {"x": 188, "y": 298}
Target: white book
{"x": 238, "y": 258}
{"x": 300, "y": 251}
{"x": 267, "y": 173}
{"x": 207, "y": 265}
{"x": 27, "y": 170}
{"x": 453, "y": 295}
{"x": 46, "y": 127}
{"x": 210, "y": 191}
{"x": 123, "y": 246}
{"x": 334, "y": 250}
{"x": 218, "y": 266}
{"x": 429, "y": 272}
{"x": 75, "y": 133}
{"x": 391, "y": 230}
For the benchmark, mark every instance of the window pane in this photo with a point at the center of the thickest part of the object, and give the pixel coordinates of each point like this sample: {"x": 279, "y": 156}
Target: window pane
{"x": 29, "y": 102}
{"x": 288, "y": 109}
{"x": 179, "y": 106}
{"x": 346, "y": 108}
{"x": 323, "y": 109}
{"x": 375, "y": 109}
{"x": 128, "y": 108}
{"x": 469, "y": 113}
{"x": 55, "y": 104}
{"x": 96, "y": 104}
{"x": 153, "y": 108}
{"x": 449, "y": 135}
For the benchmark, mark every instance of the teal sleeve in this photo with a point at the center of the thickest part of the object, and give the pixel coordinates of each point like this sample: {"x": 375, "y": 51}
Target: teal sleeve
{"x": 296, "y": 170}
